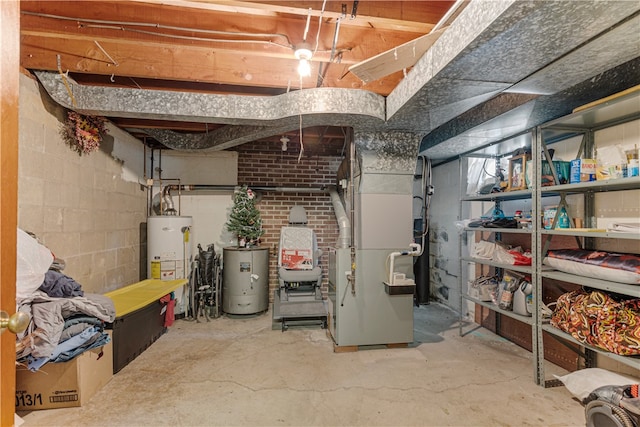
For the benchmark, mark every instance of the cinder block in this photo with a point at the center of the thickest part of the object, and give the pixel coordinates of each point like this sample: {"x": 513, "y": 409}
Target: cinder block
{"x": 105, "y": 260}
{"x": 93, "y": 241}
{"x": 115, "y": 239}
{"x": 31, "y": 218}
{"x": 71, "y": 174}
{"x": 79, "y": 266}
{"x": 77, "y": 220}
{"x": 31, "y": 191}
{"x": 63, "y": 245}
{"x": 53, "y": 218}
{"x": 56, "y": 193}
{"x": 31, "y": 133}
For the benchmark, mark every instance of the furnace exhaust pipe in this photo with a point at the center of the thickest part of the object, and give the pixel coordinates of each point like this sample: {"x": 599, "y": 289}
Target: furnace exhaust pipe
{"x": 344, "y": 225}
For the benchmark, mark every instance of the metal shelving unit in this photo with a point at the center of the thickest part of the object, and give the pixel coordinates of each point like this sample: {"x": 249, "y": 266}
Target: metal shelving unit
{"x": 594, "y": 234}
{"x": 465, "y": 259}
{"x": 599, "y": 186}
{"x": 520, "y": 268}
{"x": 499, "y": 230}
{"x": 584, "y": 123}
{"x": 492, "y": 197}
{"x": 603, "y": 285}
{"x": 524, "y": 319}
{"x": 633, "y": 361}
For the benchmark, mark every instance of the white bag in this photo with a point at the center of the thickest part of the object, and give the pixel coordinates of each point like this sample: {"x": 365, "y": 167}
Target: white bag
{"x": 483, "y": 249}
{"x": 33, "y": 261}
{"x": 481, "y": 288}
{"x": 581, "y": 383}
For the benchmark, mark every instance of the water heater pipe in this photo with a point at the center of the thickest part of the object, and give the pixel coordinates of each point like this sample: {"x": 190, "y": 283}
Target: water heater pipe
{"x": 211, "y": 187}
{"x": 167, "y": 205}
{"x": 415, "y": 252}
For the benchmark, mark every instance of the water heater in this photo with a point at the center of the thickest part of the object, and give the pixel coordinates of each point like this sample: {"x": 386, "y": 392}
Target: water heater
{"x": 168, "y": 247}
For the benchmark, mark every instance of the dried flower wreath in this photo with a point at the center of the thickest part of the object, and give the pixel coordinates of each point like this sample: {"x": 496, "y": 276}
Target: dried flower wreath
{"x": 83, "y": 133}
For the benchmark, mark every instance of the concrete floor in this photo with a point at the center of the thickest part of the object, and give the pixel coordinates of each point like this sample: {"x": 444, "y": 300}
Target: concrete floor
{"x": 241, "y": 372}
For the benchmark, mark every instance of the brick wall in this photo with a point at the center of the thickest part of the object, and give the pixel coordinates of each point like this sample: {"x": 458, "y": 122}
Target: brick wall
{"x": 263, "y": 163}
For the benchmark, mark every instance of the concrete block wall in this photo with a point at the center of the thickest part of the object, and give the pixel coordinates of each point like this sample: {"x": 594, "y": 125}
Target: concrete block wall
{"x": 265, "y": 164}
{"x": 80, "y": 207}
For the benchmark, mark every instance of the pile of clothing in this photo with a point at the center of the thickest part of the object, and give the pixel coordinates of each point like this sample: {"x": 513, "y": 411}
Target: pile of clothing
{"x": 65, "y": 321}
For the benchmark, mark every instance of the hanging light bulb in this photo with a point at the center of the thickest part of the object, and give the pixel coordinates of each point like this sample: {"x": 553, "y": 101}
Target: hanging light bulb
{"x": 304, "y": 68}
{"x": 303, "y": 53}
{"x": 284, "y": 141}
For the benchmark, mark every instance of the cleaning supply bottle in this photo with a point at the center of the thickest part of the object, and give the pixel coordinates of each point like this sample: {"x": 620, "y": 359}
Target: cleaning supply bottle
{"x": 523, "y": 299}
{"x": 563, "y": 219}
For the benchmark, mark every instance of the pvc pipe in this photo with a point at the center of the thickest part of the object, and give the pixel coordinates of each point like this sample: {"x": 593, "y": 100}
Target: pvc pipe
{"x": 393, "y": 255}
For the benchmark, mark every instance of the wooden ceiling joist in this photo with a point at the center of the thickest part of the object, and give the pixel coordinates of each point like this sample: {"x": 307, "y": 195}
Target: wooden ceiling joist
{"x": 216, "y": 46}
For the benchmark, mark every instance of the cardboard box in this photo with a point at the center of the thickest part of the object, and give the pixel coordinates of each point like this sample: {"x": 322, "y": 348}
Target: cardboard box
{"x": 64, "y": 385}
{"x": 582, "y": 170}
{"x": 609, "y": 172}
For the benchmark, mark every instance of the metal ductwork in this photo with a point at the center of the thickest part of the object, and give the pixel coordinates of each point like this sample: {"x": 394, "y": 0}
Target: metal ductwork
{"x": 344, "y": 225}
{"x": 525, "y": 49}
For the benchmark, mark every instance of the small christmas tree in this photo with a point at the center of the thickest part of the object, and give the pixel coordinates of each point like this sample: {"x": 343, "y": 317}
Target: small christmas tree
{"x": 244, "y": 220}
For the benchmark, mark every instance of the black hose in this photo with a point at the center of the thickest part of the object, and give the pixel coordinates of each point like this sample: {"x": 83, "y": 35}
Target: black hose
{"x": 594, "y": 415}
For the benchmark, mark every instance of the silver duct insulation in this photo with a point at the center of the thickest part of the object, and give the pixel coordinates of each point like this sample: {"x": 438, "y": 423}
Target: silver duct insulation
{"x": 344, "y": 225}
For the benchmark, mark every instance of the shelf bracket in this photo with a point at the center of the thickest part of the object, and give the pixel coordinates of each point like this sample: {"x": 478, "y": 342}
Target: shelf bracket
{"x": 547, "y": 156}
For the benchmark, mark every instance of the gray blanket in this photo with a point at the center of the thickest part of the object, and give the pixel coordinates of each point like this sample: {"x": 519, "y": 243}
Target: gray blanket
{"x": 48, "y": 315}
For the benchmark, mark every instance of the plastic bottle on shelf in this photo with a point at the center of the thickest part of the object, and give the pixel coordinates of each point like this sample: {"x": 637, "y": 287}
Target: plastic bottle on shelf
{"x": 563, "y": 220}
{"x": 632, "y": 162}
{"x": 497, "y": 213}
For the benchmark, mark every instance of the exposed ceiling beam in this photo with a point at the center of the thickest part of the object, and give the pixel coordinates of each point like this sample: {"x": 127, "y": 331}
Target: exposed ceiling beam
{"x": 157, "y": 61}
{"x": 181, "y": 40}
{"x": 419, "y": 16}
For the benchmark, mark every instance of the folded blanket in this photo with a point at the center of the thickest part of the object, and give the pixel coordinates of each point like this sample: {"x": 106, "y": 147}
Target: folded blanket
{"x": 49, "y": 314}
{"x": 626, "y": 262}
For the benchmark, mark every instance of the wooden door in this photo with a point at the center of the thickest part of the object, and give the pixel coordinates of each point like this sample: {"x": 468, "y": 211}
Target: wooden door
{"x": 9, "y": 84}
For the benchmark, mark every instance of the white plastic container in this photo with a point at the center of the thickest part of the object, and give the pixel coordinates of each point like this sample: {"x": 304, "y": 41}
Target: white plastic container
{"x": 523, "y": 299}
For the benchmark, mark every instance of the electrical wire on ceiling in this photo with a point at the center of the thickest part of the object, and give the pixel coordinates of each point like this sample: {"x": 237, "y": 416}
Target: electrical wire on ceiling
{"x": 306, "y": 27}
{"x": 121, "y": 26}
{"x": 324, "y": 3}
{"x": 105, "y": 53}
{"x": 300, "y": 125}
{"x": 337, "y": 32}
{"x": 135, "y": 83}
{"x": 193, "y": 38}
{"x": 304, "y": 39}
